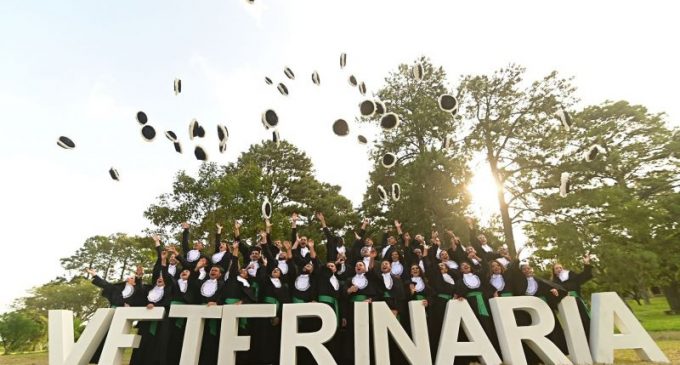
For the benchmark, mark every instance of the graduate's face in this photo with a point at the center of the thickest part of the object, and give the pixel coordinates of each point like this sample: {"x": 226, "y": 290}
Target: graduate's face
{"x": 198, "y": 245}
{"x": 360, "y": 267}
{"x": 173, "y": 259}
{"x": 385, "y": 267}
{"x": 160, "y": 281}
{"x": 243, "y": 273}
{"x": 185, "y": 274}
{"x": 465, "y": 268}
{"x": 204, "y": 261}
{"x": 369, "y": 242}
{"x": 223, "y": 246}
{"x": 415, "y": 270}
{"x": 365, "y": 251}
{"x": 444, "y": 255}
{"x": 308, "y": 268}
{"x": 443, "y": 268}
{"x": 496, "y": 268}
{"x": 482, "y": 238}
{"x": 391, "y": 240}
{"x": 131, "y": 280}
{"x": 470, "y": 249}
{"x": 254, "y": 255}
{"x": 418, "y": 253}
{"x": 557, "y": 269}
{"x": 503, "y": 251}
{"x": 276, "y": 273}
{"x": 420, "y": 238}
{"x": 394, "y": 255}
{"x": 282, "y": 256}
{"x": 303, "y": 241}
{"x": 331, "y": 267}
{"x": 527, "y": 270}
{"x": 215, "y": 273}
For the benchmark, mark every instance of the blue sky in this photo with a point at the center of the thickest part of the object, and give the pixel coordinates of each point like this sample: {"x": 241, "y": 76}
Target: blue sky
{"x": 83, "y": 69}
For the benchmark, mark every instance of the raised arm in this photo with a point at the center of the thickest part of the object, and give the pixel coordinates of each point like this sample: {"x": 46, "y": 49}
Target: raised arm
{"x": 185, "y": 237}
{"x": 293, "y": 226}
{"x": 218, "y": 237}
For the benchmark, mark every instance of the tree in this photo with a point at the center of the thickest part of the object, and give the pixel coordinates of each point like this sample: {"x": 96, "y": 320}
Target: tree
{"x": 113, "y": 257}
{"x": 432, "y": 178}
{"x": 514, "y": 127}
{"x": 625, "y": 203}
{"x": 20, "y": 331}
{"x": 77, "y": 295}
{"x": 222, "y": 194}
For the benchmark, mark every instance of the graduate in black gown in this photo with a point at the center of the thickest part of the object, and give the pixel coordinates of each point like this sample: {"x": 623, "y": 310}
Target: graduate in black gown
{"x": 572, "y": 281}
{"x": 361, "y": 287}
{"x": 211, "y": 292}
{"x": 394, "y": 295}
{"x": 222, "y": 256}
{"x": 274, "y": 291}
{"x": 183, "y": 292}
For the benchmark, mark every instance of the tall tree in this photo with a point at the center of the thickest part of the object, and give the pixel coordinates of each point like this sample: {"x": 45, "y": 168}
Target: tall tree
{"x": 432, "y": 178}
{"x": 284, "y": 175}
{"x": 20, "y": 331}
{"x": 77, "y": 295}
{"x": 625, "y": 202}
{"x": 513, "y": 126}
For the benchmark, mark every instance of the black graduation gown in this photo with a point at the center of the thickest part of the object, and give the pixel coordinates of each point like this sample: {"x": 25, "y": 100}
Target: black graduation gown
{"x": 270, "y": 328}
{"x": 302, "y": 293}
{"x": 334, "y": 245}
{"x": 179, "y": 296}
{"x": 153, "y": 347}
{"x": 372, "y": 292}
{"x": 331, "y": 296}
{"x": 395, "y": 298}
{"x": 573, "y": 286}
{"x": 211, "y": 330}
{"x": 188, "y": 263}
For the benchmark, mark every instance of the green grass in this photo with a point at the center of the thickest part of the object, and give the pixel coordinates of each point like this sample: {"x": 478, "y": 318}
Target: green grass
{"x": 653, "y": 317}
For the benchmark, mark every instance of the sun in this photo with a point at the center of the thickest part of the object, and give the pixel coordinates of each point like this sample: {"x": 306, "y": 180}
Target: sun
{"x": 483, "y": 191}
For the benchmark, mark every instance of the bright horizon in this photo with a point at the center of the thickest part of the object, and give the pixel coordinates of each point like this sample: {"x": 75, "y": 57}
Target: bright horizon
{"x": 83, "y": 69}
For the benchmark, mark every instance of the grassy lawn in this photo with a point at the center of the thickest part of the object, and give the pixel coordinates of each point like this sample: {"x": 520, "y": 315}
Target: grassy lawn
{"x": 665, "y": 329}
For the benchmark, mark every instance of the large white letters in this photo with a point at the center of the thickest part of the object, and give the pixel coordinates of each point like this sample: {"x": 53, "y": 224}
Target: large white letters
{"x": 193, "y": 332}
{"x": 119, "y": 336}
{"x": 577, "y": 342}
{"x": 609, "y": 311}
{"x": 459, "y": 314}
{"x": 510, "y": 335}
{"x": 62, "y": 349}
{"x": 313, "y": 341}
{"x": 230, "y": 341}
{"x": 384, "y": 321}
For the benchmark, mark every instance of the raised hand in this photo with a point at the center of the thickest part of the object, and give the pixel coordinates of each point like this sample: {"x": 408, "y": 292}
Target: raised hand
{"x": 286, "y": 245}
{"x": 90, "y": 271}
{"x": 237, "y": 225}
{"x": 185, "y": 225}
{"x": 140, "y": 271}
{"x": 156, "y": 240}
{"x": 219, "y": 227}
{"x": 470, "y": 222}
{"x": 397, "y": 224}
{"x": 586, "y": 259}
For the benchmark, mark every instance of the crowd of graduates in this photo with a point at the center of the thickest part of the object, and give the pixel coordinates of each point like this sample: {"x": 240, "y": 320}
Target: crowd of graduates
{"x": 400, "y": 269}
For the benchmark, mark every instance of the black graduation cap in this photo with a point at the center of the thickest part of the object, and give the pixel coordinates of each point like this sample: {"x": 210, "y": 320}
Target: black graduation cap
{"x": 200, "y": 154}
{"x": 178, "y": 86}
{"x": 315, "y": 78}
{"x": 178, "y": 147}
{"x": 418, "y": 71}
{"x": 448, "y": 103}
{"x": 270, "y": 119}
{"x": 223, "y": 147}
{"x": 389, "y": 121}
{"x": 362, "y": 139}
{"x": 222, "y": 133}
{"x": 289, "y": 73}
{"x": 268, "y": 81}
{"x": 148, "y": 133}
{"x": 142, "y": 118}
{"x": 282, "y": 89}
{"x": 389, "y": 159}
{"x": 367, "y": 108}
{"x": 564, "y": 184}
{"x": 276, "y": 138}
{"x": 382, "y": 193}
{"x": 362, "y": 88}
{"x": 266, "y": 209}
{"x": 171, "y": 136}
{"x": 565, "y": 118}
{"x": 352, "y": 80}
{"x": 379, "y": 107}
{"x": 65, "y": 142}
{"x": 343, "y": 60}
{"x": 114, "y": 174}
{"x": 396, "y": 192}
{"x": 195, "y": 130}
{"x": 592, "y": 152}
{"x": 341, "y": 128}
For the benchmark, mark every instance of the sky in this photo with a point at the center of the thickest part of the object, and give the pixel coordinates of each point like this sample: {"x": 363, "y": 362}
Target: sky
{"x": 83, "y": 69}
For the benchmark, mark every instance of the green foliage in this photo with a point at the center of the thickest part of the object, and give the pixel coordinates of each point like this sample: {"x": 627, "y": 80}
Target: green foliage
{"x": 653, "y": 316}
{"x": 21, "y": 331}
{"x": 284, "y": 175}
{"x": 432, "y": 178}
{"x": 77, "y": 295}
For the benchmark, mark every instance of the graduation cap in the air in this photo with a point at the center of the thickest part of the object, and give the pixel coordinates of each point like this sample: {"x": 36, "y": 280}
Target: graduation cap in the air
{"x": 389, "y": 121}
{"x": 200, "y": 154}
{"x": 362, "y": 88}
{"x": 148, "y": 133}
{"x": 564, "y": 184}
{"x": 388, "y": 160}
{"x": 268, "y": 81}
{"x": 195, "y": 130}
{"x": 361, "y": 139}
{"x": 222, "y": 133}
{"x": 266, "y": 209}
{"x": 282, "y": 89}
{"x": 178, "y": 147}
{"x": 270, "y": 119}
{"x": 171, "y": 136}
{"x": 565, "y": 118}
{"x": 223, "y": 147}
{"x": 114, "y": 174}
{"x": 591, "y": 154}
{"x": 142, "y": 118}
{"x": 341, "y": 128}
{"x": 418, "y": 71}
{"x": 177, "y": 86}
{"x": 380, "y": 108}
{"x": 396, "y": 192}
{"x": 276, "y": 138}
{"x": 448, "y": 103}
{"x": 382, "y": 193}
{"x": 343, "y": 60}
{"x": 352, "y": 80}
{"x": 315, "y": 78}
{"x": 289, "y": 73}
{"x": 367, "y": 108}
{"x": 65, "y": 142}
